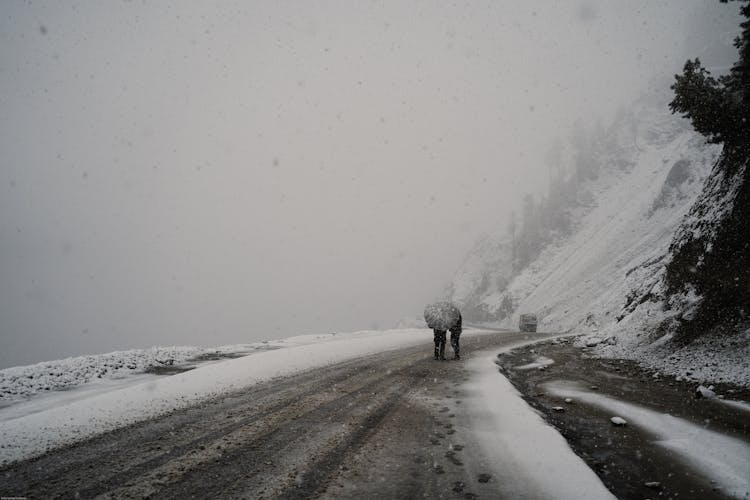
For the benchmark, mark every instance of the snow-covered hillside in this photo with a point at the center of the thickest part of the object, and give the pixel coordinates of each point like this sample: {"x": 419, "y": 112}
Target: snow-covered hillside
{"x": 486, "y": 269}
{"x": 584, "y": 282}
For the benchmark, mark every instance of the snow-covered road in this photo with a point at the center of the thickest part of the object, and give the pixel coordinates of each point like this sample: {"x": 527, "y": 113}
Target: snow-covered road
{"x": 367, "y": 414}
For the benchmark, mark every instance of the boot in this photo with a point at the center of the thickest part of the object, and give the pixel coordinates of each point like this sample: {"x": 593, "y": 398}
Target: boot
{"x": 437, "y": 353}
{"x": 442, "y": 351}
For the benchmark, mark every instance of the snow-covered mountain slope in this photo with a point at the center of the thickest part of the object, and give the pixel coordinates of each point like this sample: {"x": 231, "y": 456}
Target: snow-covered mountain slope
{"x": 650, "y": 176}
{"x": 583, "y": 281}
{"x": 485, "y": 269}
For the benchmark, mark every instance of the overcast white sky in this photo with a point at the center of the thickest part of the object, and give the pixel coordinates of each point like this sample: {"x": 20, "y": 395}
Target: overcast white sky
{"x": 216, "y": 172}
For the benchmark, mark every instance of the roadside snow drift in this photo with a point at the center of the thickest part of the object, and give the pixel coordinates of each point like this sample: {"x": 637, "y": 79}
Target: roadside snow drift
{"x": 20, "y": 382}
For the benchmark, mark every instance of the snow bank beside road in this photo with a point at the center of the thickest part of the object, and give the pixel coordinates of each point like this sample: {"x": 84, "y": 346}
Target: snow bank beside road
{"x": 20, "y": 382}
{"x": 34, "y": 434}
{"x": 532, "y": 459}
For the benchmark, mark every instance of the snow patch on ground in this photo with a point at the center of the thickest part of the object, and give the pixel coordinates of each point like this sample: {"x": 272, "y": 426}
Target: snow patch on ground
{"x": 532, "y": 459}
{"x": 539, "y": 362}
{"x": 718, "y": 457}
{"x": 740, "y": 405}
{"x": 705, "y": 360}
{"x": 22, "y": 407}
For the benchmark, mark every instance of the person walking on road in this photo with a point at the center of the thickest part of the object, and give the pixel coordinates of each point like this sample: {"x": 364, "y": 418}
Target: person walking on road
{"x": 455, "y": 335}
{"x": 442, "y": 317}
{"x": 439, "y": 344}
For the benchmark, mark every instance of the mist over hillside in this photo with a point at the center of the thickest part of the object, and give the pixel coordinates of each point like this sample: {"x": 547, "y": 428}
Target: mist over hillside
{"x": 642, "y": 240}
{"x": 620, "y": 202}
{"x": 604, "y": 275}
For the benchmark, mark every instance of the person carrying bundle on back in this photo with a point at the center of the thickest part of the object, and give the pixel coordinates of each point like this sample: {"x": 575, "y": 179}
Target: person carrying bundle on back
{"x": 441, "y": 317}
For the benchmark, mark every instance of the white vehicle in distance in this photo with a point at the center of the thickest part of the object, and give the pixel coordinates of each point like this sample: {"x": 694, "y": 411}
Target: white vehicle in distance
{"x": 527, "y": 323}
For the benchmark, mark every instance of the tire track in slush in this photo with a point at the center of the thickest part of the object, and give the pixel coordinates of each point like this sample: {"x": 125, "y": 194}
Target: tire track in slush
{"x": 254, "y": 458}
{"x": 200, "y": 449}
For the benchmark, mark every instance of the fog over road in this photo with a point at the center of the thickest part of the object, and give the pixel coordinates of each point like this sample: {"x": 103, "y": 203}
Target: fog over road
{"x": 389, "y": 425}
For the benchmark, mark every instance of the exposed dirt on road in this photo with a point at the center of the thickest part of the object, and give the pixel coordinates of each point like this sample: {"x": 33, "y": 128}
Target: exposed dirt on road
{"x": 625, "y": 458}
{"x": 375, "y": 427}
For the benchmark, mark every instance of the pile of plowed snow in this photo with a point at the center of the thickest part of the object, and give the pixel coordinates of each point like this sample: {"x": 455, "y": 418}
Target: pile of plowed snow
{"x": 21, "y": 382}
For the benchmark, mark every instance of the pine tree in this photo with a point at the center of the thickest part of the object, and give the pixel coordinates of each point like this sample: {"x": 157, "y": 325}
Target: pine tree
{"x": 719, "y": 108}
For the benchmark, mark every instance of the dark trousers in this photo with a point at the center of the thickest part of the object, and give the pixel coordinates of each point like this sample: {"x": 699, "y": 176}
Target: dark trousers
{"x": 454, "y": 342}
{"x": 439, "y": 344}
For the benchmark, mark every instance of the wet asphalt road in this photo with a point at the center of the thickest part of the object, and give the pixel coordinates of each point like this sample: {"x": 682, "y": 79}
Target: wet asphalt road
{"x": 384, "y": 426}
{"x": 629, "y": 460}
